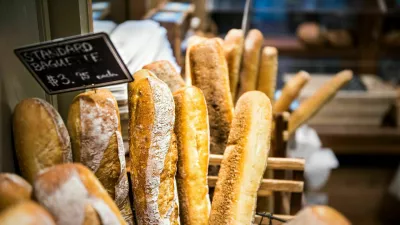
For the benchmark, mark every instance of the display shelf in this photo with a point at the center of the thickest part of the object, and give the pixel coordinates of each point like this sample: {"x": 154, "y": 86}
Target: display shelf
{"x": 362, "y": 140}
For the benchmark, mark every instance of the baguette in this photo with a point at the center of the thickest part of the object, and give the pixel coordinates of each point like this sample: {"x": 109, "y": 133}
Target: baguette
{"x": 244, "y": 161}
{"x": 193, "y": 40}
{"x": 310, "y": 106}
{"x": 74, "y": 196}
{"x": 319, "y": 215}
{"x": 40, "y": 136}
{"x": 13, "y": 189}
{"x": 26, "y": 213}
{"x": 250, "y": 62}
{"x": 268, "y": 72}
{"x": 210, "y": 73}
{"x": 191, "y": 127}
{"x": 153, "y": 151}
{"x": 167, "y": 73}
{"x": 94, "y": 125}
{"x": 233, "y": 47}
{"x": 291, "y": 91}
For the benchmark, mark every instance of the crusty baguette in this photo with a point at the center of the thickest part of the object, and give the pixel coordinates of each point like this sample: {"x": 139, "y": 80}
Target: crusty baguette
{"x": 13, "y": 189}
{"x": 193, "y": 40}
{"x": 153, "y": 152}
{"x": 233, "y": 47}
{"x": 210, "y": 73}
{"x": 40, "y": 136}
{"x": 319, "y": 215}
{"x": 250, "y": 62}
{"x": 314, "y": 103}
{"x": 70, "y": 191}
{"x": 291, "y": 91}
{"x": 191, "y": 127}
{"x": 244, "y": 161}
{"x": 95, "y": 129}
{"x": 167, "y": 73}
{"x": 268, "y": 72}
{"x": 26, "y": 213}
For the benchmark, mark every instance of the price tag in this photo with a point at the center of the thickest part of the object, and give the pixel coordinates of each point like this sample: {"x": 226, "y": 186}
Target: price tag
{"x": 74, "y": 63}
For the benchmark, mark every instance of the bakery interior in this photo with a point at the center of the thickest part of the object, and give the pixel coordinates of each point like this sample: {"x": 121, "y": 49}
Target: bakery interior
{"x": 289, "y": 110}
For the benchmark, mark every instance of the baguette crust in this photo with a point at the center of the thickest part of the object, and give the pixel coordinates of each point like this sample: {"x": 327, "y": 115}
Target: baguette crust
{"x": 167, "y": 73}
{"x": 26, "y": 213}
{"x": 191, "y": 127}
{"x": 193, "y": 40}
{"x": 233, "y": 46}
{"x": 268, "y": 72}
{"x": 41, "y": 138}
{"x": 66, "y": 191}
{"x": 13, "y": 189}
{"x": 291, "y": 91}
{"x": 244, "y": 161}
{"x": 210, "y": 73}
{"x": 152, "y": 151}
{"x": 319, "y": 215}
{"x": 94, "y": 125}
{"x": 250, "y": 62}
{"x": 143, "y": 73}
{"x": 313, "y": 104}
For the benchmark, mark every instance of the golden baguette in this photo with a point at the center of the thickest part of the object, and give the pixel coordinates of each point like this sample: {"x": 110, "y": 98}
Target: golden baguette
{"x": 167, "y": 73}
{"x": 314, "y": 103}
{"x": 210, "y": 73}
{"x": 291, "y": 91}
{"x": 191, "y": 41}
{"x": 244, "y": 161}
{"x": 250, "y": 62}
{"x": 191, "y": 127}
{"x": 268, "y": 72}
{"x": 233, "y": 47}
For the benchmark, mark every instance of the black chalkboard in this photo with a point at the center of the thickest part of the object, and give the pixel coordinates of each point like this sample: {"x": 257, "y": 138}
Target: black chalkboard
{"x": 74, "y": 63}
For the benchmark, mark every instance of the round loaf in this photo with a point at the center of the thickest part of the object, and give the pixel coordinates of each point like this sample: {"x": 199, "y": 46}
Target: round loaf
{"x": 26, "y": 213}
{"x": 319, "y": 215}
{"x": 13, "y": 189}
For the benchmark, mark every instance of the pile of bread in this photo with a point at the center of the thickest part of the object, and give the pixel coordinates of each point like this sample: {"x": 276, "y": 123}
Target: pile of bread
{"x": 77, "y": 173}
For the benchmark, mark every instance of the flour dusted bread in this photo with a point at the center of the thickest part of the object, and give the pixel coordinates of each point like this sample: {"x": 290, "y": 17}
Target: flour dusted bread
{"x": 13, "y": 189}
{"x": 250, "y": 62}
{"x": 268, "y": 71}
{"x": 40, "y": 136}
{"x": 95, "y": 129}
{"x": 319, "y": 215}
{"x": 210, "y": 73}
{"x": 244, "y": 161}
{"x": 191, "y": 128}
{"x": 314, "y": 103}
{"x": 26, "y": 213}
{"x": 153, "y": 151}
{"x": 74, "y": 196}
{"x": 193, "y": 40}
{"x": 167, "y": 73}
{"x": 291, "y": 91}
{"x": 233, "y": 47}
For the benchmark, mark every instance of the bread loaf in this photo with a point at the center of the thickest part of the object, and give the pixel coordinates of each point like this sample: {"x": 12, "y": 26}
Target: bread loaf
{"x": 191, "y": 128}
{"x": 233, "y": 47}
{"x": 319, "y": 215}
{"x": 74, "y": 196}
{"x": 143, "y": 73}
{"x": 95, "y": 129}
{"x": 193, "y": 40}
{"x": 40, "y": 136}
{"x": 291, "y": 91}
{"x": 250, "y": 62}
{"x": 314, "y": 103}
{"x": 311, "y": 34}
{"x": 153, "y": 151}
{"x": 268, "y": 72}
{"x": 210, "y": 73}
{"x": 244, "y": 161}
{"x": 167, "y": 73}
{"x": 26, "y": 213}
{"x": 13, "y": 189}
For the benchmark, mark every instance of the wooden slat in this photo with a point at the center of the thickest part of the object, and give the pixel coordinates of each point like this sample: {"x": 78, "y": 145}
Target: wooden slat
{"x": 270, "y": 185}
{"x": 272, "y": 163}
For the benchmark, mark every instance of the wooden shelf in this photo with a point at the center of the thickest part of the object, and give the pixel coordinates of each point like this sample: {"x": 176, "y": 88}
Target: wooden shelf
{"x": 362, "y": 140}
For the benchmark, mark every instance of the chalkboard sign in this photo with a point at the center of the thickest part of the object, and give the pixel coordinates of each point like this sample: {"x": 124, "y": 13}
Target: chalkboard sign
{"x": 74, "y": 63}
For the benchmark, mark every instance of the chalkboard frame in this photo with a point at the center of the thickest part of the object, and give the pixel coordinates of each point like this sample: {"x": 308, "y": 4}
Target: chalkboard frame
{"x": 61, "y": 41}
